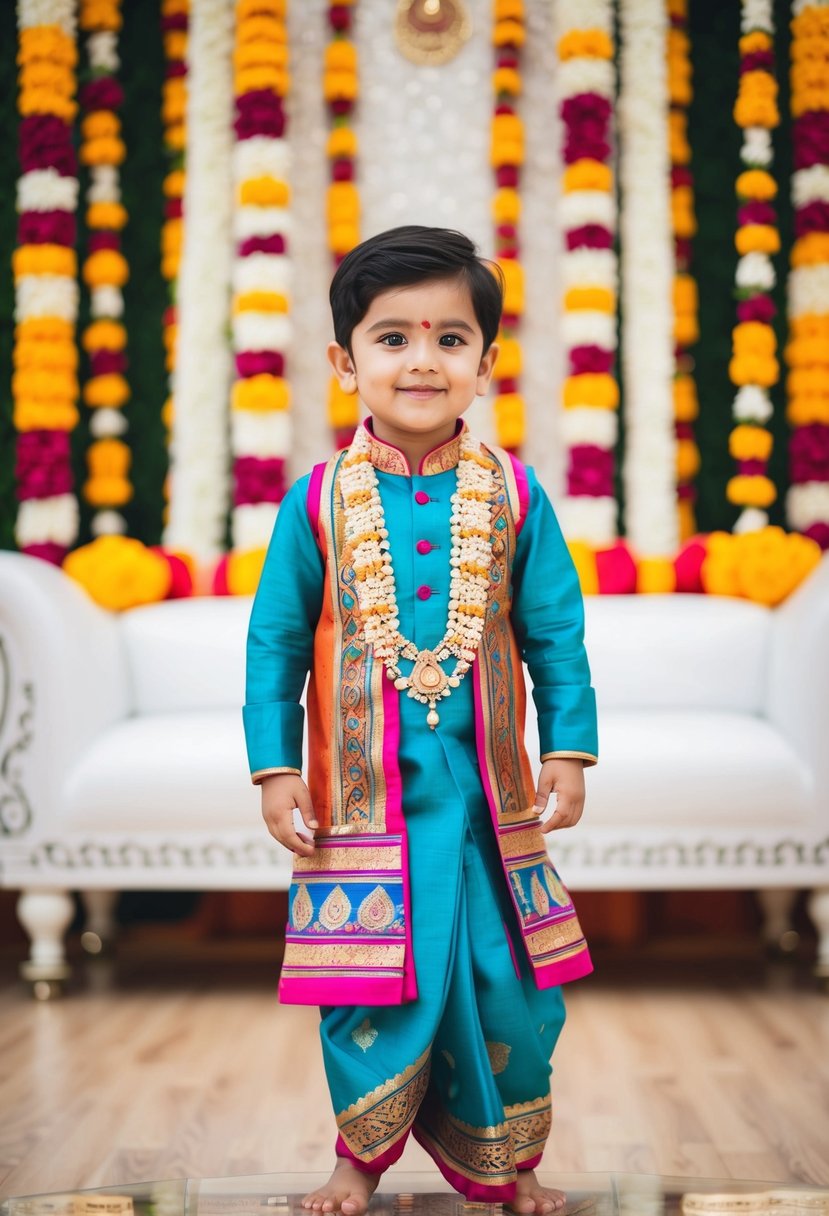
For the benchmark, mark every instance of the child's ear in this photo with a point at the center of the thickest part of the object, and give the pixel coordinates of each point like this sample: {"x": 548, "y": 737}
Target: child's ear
{"x": 486, "y": 369}
{"x": 343, "y": 366}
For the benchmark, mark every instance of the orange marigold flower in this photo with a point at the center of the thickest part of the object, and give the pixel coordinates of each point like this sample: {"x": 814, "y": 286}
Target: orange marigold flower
{"x": 757, "y": 238}
{"x": 506, "y": 206}
{"x": 106, "y": 267}
{"x": 585, "y": 44}
{"x": 587, "y": 174}
{"x": 342, "y": 142}
{"x": 509, "y": 362}
{"x": 756, "y": 183}
{"x": 509, "y": 419}
{"x": 110, "y": 391}
{"x": 748, "y": 442}
{"x": 509, "y": 33}
{"x": 343, "y": 408}
{"x": 753, "y": 491}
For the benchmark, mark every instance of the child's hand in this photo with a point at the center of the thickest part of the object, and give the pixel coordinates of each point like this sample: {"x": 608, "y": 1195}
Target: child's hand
{"x": 565, "y": 777}
{"x": 281, "y": 793}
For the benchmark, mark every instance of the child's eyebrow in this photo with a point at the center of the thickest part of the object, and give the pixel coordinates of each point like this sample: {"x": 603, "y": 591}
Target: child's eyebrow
{"x": 395, "y": 322}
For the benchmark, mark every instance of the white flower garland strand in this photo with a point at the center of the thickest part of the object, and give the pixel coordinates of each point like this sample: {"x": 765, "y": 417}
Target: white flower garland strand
{"x": 647, "y": 281}
{"x": 366, "y": 532}
{"x": 199, "y": 453}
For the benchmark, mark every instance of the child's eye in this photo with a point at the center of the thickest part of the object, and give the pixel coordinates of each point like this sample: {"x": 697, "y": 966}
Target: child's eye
{"x": 393, "y": 339}
{"x": 452, "y": 340}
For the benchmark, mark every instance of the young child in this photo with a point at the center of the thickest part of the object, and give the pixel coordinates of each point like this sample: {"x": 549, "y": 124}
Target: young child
{"x": 410, "y": 575}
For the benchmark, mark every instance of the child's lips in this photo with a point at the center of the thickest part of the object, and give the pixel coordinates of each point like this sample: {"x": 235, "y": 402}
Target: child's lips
{"x": 421, "y": 392}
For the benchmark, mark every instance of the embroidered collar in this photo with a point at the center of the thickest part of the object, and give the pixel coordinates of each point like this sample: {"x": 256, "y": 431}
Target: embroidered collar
{"x": 389, "y": 459}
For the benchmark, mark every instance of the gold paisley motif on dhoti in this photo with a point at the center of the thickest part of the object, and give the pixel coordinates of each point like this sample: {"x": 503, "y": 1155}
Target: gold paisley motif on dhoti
{"x": 364, "y": 1035}
{"x": 376, "y": 912}
{"x": 498, "y": 1056}
{"x": 377, "y": 1121}
{"x": 540, "y": 898}
{"x": 555, "y": 886}
{"x": 336, "y": 909}
{"x": 302, "y": 909}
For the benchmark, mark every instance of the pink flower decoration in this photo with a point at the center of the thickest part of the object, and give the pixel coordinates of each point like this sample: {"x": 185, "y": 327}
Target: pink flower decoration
{"x": 258, "y": 480}
{"x": 589, "y": 236}
{"x": 46, "y": 143}
{"x": 586, "y": 359}
{"x": 258, "y": 362}
{"x": 43, "y": 468}
{"x": 756, "y": 212}
{"x": 757, "y": 308}
{"x": 108, "y": 362}
{"x": 814, "y": 217}
{"x": 47, "y": 552}
{"x": 820, "y": 533}
{"x": 105, "y": 93}
{"x": 259, "y": 112}
{"x": 262, "y": 244}
{"x": 810, "y": 137}
{"x": 46, "y": 227}
{"x": 590, "y": 472}
{"x": 809, "y": 453}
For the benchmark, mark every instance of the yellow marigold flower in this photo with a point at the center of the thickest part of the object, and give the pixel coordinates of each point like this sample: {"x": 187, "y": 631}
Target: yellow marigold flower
{"x": 44, "y": 259}
{"x": 106, "y": 215}
{"x": 811, "y": 250}
{"x": 175, "y": 136}
{"x": 816, "y": 98}
{"x": 513, "y": 273}
{"x": 110, "y": 391}
{"x": 35, "y": 416}
{"x": 748, "y": 442}
{"x": 679, "y": 44}
{"x": 596, "y": 299}
{"x": 806, "y": 409}
{"x": 260, "y": 54}
{"x": 246, "y": 9}
{"x": 510, "y": 426}
{"x": 755, "y": 491}
{"x": 174, "y": 109}
{"x": 343, "y": 408}
{"x": 680, "y": 92}
{"x": 655, "y": 576}
{"x": 46, "y": 42}
{"x": 107, "y": 491}
{"x": 265, "y": 191}
{"x": 342, "y": 203}
{"x": 755, "y": 41}
{"x": 174, "y": 89}
{"x": 679, "y": 147}
{"x": 810, "y": 50}
{"x": 168, "y": 411}
{"x": 506, "y": 80}
{"x": 261, "y": 394}
{"x": 169, "y": 337}
{"x": 509, "y": 362}
{"x": 585, "y": 44}
{"x": 54, "y": 387}
{"x": 171, "y": 235}
{"x": 807, "y": 352}
{"x": 808, "y": 73}
{"x": 48, "y": 356}
{"x": 686, "y": 329}
{"x": 99, "y": 15}
{"x": 119, "y": 573}
{"x": 105, "y": 267}
{"x": 587, "y": 174}
{"x": 103, "y": 152}
{"x": 341, "y": 56}
{"x": 810, "y": 380}
{"x": 509, "y": 33}
{"x": 506, "y": 206}
{"x": 99, "y": 124}
{"x": 44, "y": 329}
{"x": 342, "y": 237}
{"x": 262, "y": 28}
{"x": 678, "y": 8}
{"x": 104, "y": 335}
{"x": 753, "y": 338}
{"x": 719, "y": 568}
{"x": 770, "y": 564}
{"x": 686, "y": 404}
{"x": 812, "y": 22}
{"x": 244, "y": 571}
{"x": 687, "y": 460}
{"x": 44, "y": 101}
{"x": 810, "y": 325}
{"x": 265, "y": 76}
{"x": 109, "y": 458}
{"x": 685, "y": 294}
{"x": 42, "y": 75}
{"x": 687, "y": 519}
{"x": 507, "y": 140}
{"x": 342, "y": 143}
{"x": 757, "y": 238}
{"x": 584, "y": 559}
{"x": 595, "y": 389}
{"x": 338, "y": 86}
{"x": 175, "y": 8}
{"x": 170, "y": 268}
{"x": 682, "y": 211}
{"x": 754, "y": 369}
{"x": 509, "y": 10}
{"x": 260, "y": 301}
{"x": 175, "y": 44}
{"x": 756, "y": 183}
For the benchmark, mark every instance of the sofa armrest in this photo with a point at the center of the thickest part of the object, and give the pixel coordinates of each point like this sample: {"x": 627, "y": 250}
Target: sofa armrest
{"x": 63, "y": 679}
{"x": 798, "y": 688}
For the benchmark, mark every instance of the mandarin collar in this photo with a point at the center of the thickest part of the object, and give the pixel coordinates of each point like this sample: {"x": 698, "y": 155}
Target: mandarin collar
{"x": 389, "y": 459}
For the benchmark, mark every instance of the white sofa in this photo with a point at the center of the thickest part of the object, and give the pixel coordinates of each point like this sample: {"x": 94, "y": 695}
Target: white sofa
{"x": 122, "y": 760}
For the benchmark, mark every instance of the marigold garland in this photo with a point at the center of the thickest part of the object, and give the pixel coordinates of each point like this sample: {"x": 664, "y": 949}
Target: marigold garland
{"x": 754, "y": 368}
{"x": 506, "y": 156}
{"x": 340, "y": 89}
{"x": 45, "y": 385}
{"x": 807, "y": 351}
{"x": 262, "y": 330}
{"x": 175, "y": 20}
{"x": 105, "y": 269}
{"x": 684, "y": 224}
{"x": 586, "y": 88}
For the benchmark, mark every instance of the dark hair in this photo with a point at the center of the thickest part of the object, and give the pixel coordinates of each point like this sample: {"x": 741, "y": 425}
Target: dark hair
{"x": 401, "y": 257}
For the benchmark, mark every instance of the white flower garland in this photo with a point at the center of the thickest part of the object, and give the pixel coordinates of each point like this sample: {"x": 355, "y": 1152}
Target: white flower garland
{"x": 366, "y": 532}
{"x": 199, "y": 443}
{"x": 647, "y": 281}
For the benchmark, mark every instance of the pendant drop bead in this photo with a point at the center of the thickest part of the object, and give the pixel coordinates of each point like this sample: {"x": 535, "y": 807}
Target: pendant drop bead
{"x": 433, "y": 718}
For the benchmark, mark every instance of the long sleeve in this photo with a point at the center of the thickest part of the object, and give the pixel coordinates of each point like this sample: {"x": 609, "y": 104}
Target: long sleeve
{"x": 548, "y": 618}
{"x": 281, "y": 640}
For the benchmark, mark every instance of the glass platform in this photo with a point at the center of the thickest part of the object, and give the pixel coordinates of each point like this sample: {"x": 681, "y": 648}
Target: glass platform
{"x": 425, "y": 1194}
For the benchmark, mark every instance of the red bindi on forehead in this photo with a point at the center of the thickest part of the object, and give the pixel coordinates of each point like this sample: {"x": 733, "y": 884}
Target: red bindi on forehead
{"x": 426, "y": 324}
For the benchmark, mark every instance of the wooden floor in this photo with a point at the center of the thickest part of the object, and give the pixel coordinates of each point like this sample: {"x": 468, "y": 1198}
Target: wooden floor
{"x": 161, "y": 1065}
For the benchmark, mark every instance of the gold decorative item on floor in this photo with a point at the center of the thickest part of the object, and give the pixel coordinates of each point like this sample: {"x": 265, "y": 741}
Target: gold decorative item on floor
{"x": 431, "y": 31}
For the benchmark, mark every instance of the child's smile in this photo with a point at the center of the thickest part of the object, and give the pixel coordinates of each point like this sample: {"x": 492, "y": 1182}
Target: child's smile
{"x": 416, "y": 361}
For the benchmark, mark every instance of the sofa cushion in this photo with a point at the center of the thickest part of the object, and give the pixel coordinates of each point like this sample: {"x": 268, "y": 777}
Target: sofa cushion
{"x": 678, "y": 651}
{"x": 188, "y": 654}
{"x": 165, "y": 771}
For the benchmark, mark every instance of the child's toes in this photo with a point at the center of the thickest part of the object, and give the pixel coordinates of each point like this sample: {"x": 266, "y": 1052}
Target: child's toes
{"x": 353, "y": 1205}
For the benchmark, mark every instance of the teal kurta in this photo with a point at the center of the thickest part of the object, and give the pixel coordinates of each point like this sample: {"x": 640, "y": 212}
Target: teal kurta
{"x": 467, "y": 1061}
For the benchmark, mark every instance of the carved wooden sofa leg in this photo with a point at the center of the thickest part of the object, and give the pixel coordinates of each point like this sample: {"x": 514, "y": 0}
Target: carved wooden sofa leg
{"x": 779, "y": 935}
{"x": 46, "y": 914}
{"x": 100, "y": 927}
{"x": 819, "y": 912}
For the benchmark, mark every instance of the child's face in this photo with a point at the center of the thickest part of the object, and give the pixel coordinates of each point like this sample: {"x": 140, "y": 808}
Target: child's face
{"x": 416, "y": 359}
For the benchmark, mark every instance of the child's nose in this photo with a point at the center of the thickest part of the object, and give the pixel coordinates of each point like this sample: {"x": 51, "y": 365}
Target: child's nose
{"x": 422, "y": 354}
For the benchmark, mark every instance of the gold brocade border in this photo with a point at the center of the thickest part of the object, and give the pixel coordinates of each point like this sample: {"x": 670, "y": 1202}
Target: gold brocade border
{"x": 555, "y": 937}
{"x": 362, "y": 860}
{"x": 441, "y": 459}
{"x": 529, "y": 1125}
{"x": 480, "y": 1154}
{"x": 323, "y": 955}
{"x": 523, "y": 843}
{"x": 371, "y": 1125}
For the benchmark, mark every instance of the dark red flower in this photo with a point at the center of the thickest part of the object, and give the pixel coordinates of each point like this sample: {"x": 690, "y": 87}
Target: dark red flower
{"x": 809, "y": 453}
{"x": 46, "y": 227}
{"x": 257, "y": 362}
{"x": 814, "y": 217}
{"x": 590, "y": 471}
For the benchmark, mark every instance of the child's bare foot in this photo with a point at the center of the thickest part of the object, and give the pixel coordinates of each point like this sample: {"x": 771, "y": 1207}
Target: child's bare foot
{"x": 532, "y": 1197}
{"x": 348, "y": 1190}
